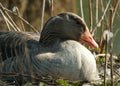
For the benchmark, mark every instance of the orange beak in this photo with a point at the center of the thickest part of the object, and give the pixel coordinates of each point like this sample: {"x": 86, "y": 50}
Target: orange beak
{"x": 87, "y": 39}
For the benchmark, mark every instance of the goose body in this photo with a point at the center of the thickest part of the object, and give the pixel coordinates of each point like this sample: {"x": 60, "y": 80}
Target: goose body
{"x": 58, "y": 53}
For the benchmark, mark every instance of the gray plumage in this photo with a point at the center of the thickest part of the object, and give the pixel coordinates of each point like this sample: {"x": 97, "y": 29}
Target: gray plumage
{"x": 58, "y": 53}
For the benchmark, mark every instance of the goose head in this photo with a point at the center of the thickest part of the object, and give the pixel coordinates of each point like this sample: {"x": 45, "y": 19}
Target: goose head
{"x": 66, "y": 26}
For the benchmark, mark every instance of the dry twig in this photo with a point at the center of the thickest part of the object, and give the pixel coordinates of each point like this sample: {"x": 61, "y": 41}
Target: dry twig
{"x": 33, "y": 28}
{"x": 102, "y": 17}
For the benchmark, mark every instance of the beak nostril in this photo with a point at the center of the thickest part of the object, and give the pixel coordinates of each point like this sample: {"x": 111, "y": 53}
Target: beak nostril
{"x": 90, "y": 38}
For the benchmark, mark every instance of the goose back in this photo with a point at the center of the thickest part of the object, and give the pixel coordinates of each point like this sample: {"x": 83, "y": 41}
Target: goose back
{"x": 13, "y": 43}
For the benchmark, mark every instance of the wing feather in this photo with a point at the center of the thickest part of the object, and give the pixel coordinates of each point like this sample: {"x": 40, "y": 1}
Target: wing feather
{"x": 13, "y": 43}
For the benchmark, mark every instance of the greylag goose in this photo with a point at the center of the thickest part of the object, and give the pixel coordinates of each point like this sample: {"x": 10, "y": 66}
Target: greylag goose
{"x": 58, "y": 51}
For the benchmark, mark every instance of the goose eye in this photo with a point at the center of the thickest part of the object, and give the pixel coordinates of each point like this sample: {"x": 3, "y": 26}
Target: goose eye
{"x": 77, "y": 21}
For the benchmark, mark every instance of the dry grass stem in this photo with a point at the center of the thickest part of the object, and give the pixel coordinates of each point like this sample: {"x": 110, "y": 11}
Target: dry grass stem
{"x": 97, "y": 11}
{"x": 51, "y": 7}
{"x": 102, "y": 17}
{"x": 9, "y": 29}
{"x": 96, "y": 14}
{"x": 21, "y": 22}
{"x": 111, "y": 48}
{"x": 8, "y": 18}
{"x": 26, "y": 22}
{"x": 42, "y": 17}
{"x": 81, "y": 9}
{"x": 90, "y": 15}
{"x": 105, "y": 66}
{"x": 114, "y": 10}
{"x": 8, "y": 22}
{"x": 11, "y": 21}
